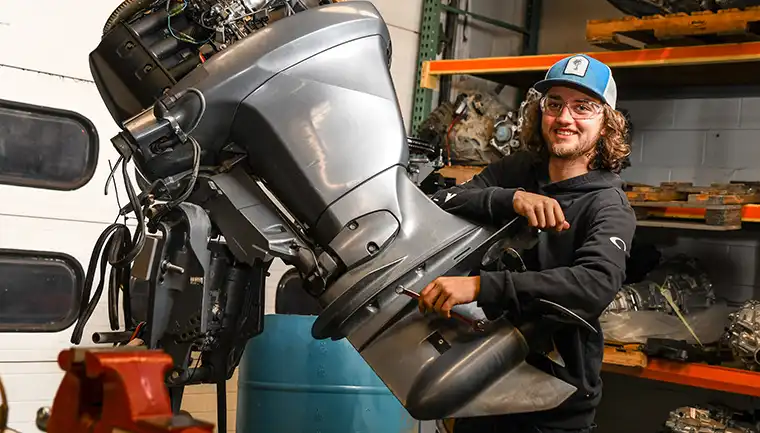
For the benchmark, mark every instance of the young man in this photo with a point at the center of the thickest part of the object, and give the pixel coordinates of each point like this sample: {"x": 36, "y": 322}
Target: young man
{"x": 565, "y": 183}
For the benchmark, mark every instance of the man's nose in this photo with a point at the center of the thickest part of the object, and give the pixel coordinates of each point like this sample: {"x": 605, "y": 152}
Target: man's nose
{"x": 564, "y": 115}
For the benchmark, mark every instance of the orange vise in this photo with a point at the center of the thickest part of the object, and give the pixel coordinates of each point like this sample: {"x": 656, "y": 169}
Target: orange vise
{"x": 116, "y": 390}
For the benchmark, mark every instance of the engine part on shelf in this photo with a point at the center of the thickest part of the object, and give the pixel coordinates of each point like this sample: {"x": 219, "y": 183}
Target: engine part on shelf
{"x": 736, "y": 4}
{"x": 696, "y": 419}
{"x": 475, "y": 129}
{"x": 640, "y": 8}
{"x": 743, "y": 334}
{"x": 679, "y": 350}
{"x": 433, "y": 129}
{"x": 682, "y": 276}
{"x": 505, "y": 135}
{"x": 469, "y": 134}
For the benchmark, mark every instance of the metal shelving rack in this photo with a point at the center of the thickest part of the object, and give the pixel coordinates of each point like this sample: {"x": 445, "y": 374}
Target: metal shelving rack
{"x": 431, "y": 37}
{"x": 680, "y": 71}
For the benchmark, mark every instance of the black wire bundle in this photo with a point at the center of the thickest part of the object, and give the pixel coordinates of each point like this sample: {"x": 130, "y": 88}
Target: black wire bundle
{"x": 117, "y": 248}
{"x": 119, "y": 252}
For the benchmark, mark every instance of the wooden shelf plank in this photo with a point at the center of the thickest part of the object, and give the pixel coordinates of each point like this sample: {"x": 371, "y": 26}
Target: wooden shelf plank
{"x": 685, "y": 210}
{"x": 706, "y": 376}
{"x": 686, "y": 225}
{"x": 727, "y": 25}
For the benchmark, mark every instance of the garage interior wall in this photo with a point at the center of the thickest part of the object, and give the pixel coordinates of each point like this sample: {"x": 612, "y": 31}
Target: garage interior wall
{"x": 50, "y": 68}
{"x": 675, "y": 140}
{"x": 475, "y": 38}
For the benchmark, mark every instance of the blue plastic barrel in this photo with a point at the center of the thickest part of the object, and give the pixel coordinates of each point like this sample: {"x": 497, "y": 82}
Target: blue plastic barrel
{"x": 288, "y": 382}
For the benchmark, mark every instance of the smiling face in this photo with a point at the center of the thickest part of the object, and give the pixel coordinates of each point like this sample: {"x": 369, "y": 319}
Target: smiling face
{"x": 571, "y": 122}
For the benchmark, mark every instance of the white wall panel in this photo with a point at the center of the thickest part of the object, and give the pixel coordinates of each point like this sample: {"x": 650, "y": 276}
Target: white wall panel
{"x": 403, "y": 69}
{"x": 50, "y": 68}
{"x": 29, "y": 386}
{"x": 84, "y": 204}
{"x": 71, "y": 237}
{"x": 403, "y": 14}
{"x": 52, "y": 36}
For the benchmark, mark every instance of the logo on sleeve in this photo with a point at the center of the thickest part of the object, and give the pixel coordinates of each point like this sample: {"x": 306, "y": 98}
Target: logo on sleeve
{"x": 619, "y": 243}
{"x": 449, "y": 196}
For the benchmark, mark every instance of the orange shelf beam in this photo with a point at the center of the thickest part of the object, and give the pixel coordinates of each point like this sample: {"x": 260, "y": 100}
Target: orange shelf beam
{"x": 750, "y": 212}
{"x": 639, "y": 59}
{"x": 724, "y": 379}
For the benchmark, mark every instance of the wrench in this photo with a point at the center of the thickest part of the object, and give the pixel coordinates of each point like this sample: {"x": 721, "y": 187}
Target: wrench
{"x": 478, "y": 325}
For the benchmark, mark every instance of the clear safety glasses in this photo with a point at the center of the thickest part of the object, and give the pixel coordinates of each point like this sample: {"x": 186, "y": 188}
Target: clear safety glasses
{"x": 580, "y": 109}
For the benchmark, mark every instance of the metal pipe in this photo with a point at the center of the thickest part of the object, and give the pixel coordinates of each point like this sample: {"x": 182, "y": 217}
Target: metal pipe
{"x": 111, "y": 337}
{"x": 533, "y": 21}
{"x": 486, "y": 19}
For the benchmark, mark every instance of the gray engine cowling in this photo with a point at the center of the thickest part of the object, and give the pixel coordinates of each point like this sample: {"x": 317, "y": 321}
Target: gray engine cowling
{"x": 303, "y": 127}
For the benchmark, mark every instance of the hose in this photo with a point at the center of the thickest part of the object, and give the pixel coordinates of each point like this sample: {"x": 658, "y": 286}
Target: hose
{"x": 125, "y": 10}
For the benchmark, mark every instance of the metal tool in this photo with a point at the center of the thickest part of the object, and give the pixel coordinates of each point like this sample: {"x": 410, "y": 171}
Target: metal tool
{"x": 115, "y": 390}
{"x": 478, "y": 325}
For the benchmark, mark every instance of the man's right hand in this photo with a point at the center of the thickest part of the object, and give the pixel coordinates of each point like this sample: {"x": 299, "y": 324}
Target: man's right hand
{"x": 542, "y": 212}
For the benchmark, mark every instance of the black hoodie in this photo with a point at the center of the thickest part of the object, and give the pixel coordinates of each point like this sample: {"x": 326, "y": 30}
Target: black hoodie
{"x": 581, "y": 268}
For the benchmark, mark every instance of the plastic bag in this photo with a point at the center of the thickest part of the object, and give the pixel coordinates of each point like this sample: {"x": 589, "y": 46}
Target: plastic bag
{"x": 637, "y": 326}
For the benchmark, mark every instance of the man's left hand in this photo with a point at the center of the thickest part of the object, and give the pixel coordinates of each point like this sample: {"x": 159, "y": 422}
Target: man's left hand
{"x": 446, "y": 292}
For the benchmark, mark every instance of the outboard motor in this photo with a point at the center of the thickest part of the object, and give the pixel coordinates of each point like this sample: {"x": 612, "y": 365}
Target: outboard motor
{"x": 289, "y": 143}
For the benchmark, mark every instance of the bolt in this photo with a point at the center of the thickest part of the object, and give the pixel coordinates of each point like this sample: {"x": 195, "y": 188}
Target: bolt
{"x": 372, "y": 247}
{"x": 43, "y": 416}
{"x": 353, "y": 225}
{"x": 168, "y": 266}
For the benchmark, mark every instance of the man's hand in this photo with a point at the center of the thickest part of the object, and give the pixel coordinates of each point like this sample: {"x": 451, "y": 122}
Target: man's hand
{"x": 446, "y": 292}
{"x": 542, "y": 212}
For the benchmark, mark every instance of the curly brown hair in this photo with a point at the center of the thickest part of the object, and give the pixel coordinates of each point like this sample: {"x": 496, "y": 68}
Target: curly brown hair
{"x": 613, "y": 147}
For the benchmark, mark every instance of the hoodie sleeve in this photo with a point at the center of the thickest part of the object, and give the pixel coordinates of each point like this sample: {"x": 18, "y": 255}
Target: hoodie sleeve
{"x": 587, "y": 287}
{"x": 487, "y": 197}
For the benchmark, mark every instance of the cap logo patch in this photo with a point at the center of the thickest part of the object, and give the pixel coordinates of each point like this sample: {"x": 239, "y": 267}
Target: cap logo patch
{"x": 577, "y": 66}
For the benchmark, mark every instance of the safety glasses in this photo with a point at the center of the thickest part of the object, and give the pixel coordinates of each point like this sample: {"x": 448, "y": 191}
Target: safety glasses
{"x": 580, "y": 109}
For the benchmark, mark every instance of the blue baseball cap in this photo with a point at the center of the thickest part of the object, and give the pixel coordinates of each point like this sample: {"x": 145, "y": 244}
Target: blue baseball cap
{"x": 585, "y": 73}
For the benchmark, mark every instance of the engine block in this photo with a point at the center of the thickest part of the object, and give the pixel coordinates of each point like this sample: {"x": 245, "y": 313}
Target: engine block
{"x": 743, "y": 334}
{"x": 700, "y": 420}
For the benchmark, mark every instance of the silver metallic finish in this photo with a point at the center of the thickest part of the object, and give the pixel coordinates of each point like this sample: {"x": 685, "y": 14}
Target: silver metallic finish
{"x": 142, "y": 267}
{"x": 475, "y": 376}
{"x": 702, "y": 420}
{"x": 254, "y": 5}
{"x": 310, "y": 102}
{"x": 198, "y": 235}
{"x": 743, "y": 334}
{"x": 364, "y": 237}
{"x": 317, "y": 141}
{"x": 42, "y": 418}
